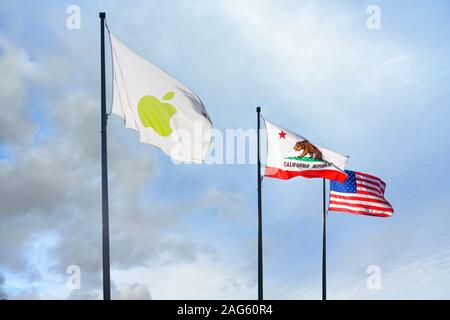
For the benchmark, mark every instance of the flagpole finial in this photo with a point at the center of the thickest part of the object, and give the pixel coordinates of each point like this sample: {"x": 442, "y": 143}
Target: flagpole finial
{"x": 102, "y": 14}
{"x": 258, "y": 109}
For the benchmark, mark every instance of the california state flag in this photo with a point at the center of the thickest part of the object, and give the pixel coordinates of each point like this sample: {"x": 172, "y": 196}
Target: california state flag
{"x": 161, "y": 109}
{"x": 290, "y": 155}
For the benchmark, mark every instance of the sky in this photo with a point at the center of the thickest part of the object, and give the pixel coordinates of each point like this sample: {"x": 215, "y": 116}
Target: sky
{"x": 190, "y": 231}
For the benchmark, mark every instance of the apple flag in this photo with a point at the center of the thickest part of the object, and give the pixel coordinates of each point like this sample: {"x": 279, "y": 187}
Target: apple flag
{"x": 290, "y": 155}
{"x": 165, "y": 112}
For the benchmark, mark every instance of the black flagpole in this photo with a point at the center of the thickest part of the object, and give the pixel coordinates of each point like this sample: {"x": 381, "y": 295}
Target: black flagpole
{"x": 260, "y": 247}
{"x": 324, "y": 246}
{"x": 105, "y": 213}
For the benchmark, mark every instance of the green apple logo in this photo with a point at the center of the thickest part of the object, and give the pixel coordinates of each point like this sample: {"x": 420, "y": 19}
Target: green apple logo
{"x": 156, "y": 114}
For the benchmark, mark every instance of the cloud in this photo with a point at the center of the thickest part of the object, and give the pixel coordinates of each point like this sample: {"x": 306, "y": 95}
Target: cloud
{"x": 324, "y": 64}
{"x": 17, "y": 71}
{"x": 204, "y": 278}
{"x": 413, "y": 277}
{"x": 122, "y": 291}
{"x": 3, "y": 294}
{"x": 229, "y": 205}
{"x": 133, "y": 291}
{"x": 409, "y": 278}
{"x": 51, "y": 212}
{"x": 53, "y": 192}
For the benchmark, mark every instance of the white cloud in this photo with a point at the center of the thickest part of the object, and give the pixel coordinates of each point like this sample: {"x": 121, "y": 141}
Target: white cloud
{"x": 135, "y": 291}
{"x": 16, "y": 70}
{"x": 204, "y": 278}
{"x": 323, "y": 62}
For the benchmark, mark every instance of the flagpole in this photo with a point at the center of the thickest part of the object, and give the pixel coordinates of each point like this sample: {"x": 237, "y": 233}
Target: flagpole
{"x": 260, "y": 244}
{"x": 105, "y": 210}
{"x": 324, "y": 245}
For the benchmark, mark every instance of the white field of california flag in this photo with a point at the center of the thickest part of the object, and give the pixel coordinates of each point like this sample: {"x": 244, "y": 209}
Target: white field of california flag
{"x": 290, "y": 155}
{"x": 163, "y": 110}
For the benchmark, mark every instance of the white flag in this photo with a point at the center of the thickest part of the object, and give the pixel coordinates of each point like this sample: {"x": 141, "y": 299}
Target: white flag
{"x": 290, "y": 155}
{"x": 163, "y": 110}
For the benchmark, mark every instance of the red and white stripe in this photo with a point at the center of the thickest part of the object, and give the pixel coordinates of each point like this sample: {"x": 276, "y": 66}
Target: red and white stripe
{"x": 368, "y": 199}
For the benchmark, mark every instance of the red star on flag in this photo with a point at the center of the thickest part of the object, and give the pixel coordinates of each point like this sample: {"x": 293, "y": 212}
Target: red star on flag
{"x": 282, "y": 134}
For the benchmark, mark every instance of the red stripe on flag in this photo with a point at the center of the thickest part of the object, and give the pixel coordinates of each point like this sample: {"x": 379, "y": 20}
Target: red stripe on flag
{"x": 285, "y": 174}
{"x": 371, "y": 182}
{"x": 357, "y": 205}
{"x": 368, "y": 193}
{"x": 372, "y": 177}
{"x": 358, "y": 199}
{"x": 378, "y": 186}
{"x": 358, "y": 185}
{"x": 358, "y": 194}
{"x": 360, "y": 212}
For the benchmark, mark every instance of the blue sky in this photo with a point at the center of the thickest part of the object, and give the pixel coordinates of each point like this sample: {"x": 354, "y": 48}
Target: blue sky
{"x": 189, "y": 231}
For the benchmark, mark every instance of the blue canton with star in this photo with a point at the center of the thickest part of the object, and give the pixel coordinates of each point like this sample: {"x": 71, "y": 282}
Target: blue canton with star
{"x": 348, "y": 186}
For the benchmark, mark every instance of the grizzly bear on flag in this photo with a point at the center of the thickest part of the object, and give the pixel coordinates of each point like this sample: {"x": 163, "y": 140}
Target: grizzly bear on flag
{"x": 313, "y": 161}
{"x": 308, "y": 149}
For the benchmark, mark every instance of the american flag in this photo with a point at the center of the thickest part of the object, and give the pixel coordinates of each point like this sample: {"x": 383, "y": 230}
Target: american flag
{"x": 361, "y": 193}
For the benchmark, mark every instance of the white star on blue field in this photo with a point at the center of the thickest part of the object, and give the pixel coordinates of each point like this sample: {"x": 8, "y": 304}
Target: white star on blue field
{"x": 190, "y": 231}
